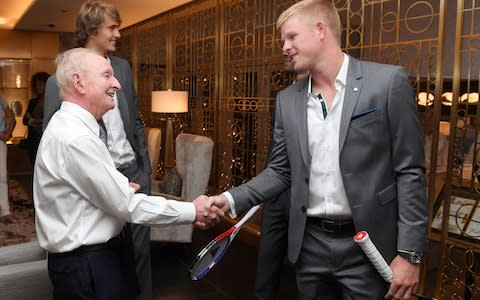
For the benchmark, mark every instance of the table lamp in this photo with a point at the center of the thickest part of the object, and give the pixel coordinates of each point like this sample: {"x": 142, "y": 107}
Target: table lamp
{"x": 169, "y": 102}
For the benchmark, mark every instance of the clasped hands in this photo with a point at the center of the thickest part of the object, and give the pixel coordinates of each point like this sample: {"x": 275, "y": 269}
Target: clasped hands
{"x": 209, "y": 210}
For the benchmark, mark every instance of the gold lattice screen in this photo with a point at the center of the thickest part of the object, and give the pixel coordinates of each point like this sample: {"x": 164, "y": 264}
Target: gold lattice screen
{"x": 227, "y": 55}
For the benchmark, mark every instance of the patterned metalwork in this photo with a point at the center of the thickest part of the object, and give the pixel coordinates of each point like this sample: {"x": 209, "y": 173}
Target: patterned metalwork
{"x": 252, "y": 69}
{"x": 227, "y": 55}
{"x": 461, "y": 274}
{"x": 460, "y": 277}
{"x": 145, "y": 47}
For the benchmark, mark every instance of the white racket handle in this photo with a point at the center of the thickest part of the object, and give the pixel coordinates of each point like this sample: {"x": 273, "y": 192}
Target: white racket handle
{"x": 363, "y": 240}
{"x": 248, "y": 215}
{"x": 245, "y": 218}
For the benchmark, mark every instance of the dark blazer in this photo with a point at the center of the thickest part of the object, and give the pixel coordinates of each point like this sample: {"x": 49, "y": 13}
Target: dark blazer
{"x": 381, "y": 159}
{"x": 127, "y": 104}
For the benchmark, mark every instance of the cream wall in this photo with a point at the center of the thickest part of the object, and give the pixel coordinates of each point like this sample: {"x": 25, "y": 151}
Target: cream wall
{"x": 34, "y": 52}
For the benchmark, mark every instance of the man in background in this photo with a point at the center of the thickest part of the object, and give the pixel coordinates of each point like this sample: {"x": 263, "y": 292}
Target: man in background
{"x": 274, "y": 229}
{"x": 82, "y": 201}
{"x": 7, "y": 124}
{"x": 33, "y": 117}
{"x": 97, "y": 28}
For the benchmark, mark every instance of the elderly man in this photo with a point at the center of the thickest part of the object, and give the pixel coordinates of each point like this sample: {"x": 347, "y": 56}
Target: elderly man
{"x": 81, "y": 200}
{"x": 98, "y": 28}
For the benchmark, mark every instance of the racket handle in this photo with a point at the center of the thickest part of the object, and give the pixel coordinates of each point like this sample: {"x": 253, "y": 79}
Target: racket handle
{"x": 247, "y": 216}
{"x": 363, "y": 240}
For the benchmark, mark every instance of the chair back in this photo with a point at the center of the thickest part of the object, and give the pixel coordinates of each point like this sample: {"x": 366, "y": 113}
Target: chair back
{"x": 153, "y": 137}
{"x": 193, "y": 161}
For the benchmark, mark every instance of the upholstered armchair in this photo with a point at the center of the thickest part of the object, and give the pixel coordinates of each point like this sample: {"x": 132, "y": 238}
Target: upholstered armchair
{"x": 153, "y": 136}
{"x": 193, "y": 154}
{"x": 24, "y": 273}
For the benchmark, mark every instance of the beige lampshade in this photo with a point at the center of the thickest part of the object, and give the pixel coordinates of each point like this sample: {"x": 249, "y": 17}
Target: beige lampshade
{"x": 469, "y": 97}
{"x": 447, "y": 98}
{"x": 169, "y": 101}
{"x": 424, "y": 98}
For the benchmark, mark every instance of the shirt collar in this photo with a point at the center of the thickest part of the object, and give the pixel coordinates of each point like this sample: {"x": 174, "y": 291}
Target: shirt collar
{"x": 341, "y": 76}
{"x": 81, "y": 113}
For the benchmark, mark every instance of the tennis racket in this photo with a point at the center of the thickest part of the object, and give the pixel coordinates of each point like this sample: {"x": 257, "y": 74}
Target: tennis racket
{"x": 366, "y": 244}
{"x": 214, "y": 251}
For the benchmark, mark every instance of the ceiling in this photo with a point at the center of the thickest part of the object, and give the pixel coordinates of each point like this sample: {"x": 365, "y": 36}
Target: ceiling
{"x": 59, "y": 15}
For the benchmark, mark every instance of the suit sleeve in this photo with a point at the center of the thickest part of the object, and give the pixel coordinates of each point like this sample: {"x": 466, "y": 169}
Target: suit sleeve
{"x": 408, "y": 163}
{"x": 274, "y": 179}
{"x": 52, "y": 100}
{"x": 139, "y": 133}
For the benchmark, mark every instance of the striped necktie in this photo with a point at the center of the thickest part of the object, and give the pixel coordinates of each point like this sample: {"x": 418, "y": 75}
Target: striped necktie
{"x": 324, "y": 106}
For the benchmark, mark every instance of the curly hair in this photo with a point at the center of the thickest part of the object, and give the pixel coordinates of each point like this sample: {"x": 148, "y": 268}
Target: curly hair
{"x": 91, "y": 15}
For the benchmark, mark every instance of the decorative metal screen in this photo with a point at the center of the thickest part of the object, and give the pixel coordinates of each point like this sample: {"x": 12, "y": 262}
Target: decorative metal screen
{"x": 227, "y": 55}
{"x": 252, "y": 74}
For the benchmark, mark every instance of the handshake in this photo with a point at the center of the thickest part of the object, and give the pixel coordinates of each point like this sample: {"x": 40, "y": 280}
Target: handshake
{"x": 209, "y": 210}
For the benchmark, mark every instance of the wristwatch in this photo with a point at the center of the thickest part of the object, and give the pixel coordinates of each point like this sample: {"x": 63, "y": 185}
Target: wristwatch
{"x": 412, "y": 257}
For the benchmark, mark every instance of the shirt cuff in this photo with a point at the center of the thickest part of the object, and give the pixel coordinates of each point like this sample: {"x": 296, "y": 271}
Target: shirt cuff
{"x": 232, "y": 213}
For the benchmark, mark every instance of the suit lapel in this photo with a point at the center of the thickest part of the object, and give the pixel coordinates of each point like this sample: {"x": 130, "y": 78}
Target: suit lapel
{"x": 301, "y": 119}
{"x": 352, "y": 91}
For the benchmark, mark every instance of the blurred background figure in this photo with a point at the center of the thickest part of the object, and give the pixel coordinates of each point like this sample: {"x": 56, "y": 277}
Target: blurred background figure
{"x": 7, "y": 123}
{"x": 33, "y": 117}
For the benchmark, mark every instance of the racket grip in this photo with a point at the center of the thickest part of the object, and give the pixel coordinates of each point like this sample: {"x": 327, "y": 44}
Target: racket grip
{"x": 363, "y": 240}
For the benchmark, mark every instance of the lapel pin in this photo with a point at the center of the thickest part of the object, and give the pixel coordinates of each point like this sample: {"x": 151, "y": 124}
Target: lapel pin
{"x": 355, "y": 89}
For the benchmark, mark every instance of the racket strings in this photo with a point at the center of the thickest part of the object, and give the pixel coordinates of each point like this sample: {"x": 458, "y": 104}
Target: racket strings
{"x": 209, "y": 258}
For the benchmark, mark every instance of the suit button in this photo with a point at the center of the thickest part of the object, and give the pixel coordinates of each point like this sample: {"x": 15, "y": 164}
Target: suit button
{"x": 306, "y": 179}
{"x": 304, "y": 209}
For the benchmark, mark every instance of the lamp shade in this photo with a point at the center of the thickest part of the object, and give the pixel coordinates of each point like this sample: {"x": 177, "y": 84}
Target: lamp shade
{"x": 424, "y": 98}
{"x": 469, "y": 97}
{"x": 169, "y": 101}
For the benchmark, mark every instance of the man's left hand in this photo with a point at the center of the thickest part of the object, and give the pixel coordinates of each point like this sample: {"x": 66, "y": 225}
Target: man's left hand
{"x": 405, "y": 279}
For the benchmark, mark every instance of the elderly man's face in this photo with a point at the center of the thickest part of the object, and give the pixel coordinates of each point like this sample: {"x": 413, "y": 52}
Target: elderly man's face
{"x": 100, "y": 85}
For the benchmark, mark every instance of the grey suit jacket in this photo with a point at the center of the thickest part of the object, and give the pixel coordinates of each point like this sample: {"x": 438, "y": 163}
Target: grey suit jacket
{"x": 127, "y": 104}
{"x": 381, "y": 160}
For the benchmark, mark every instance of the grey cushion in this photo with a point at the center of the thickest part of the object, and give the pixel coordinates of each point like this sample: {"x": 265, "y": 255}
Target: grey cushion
{"x": 20, "y": 253}
{"x": 25, "y": 281}
{"x": 171, "y": 184}
{"x": 24, "y": 272}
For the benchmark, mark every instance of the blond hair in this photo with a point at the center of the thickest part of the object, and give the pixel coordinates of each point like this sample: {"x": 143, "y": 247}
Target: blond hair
{"x": 91, "y": 15}
{"x": 311, "y": 11}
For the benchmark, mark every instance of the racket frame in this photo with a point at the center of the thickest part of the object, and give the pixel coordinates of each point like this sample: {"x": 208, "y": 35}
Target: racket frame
{"x": 229, "y": 234}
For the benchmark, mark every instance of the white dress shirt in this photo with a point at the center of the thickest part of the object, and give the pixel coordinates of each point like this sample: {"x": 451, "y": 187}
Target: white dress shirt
{"x": 327, "y": 197}
{"x": 80, "y": 198}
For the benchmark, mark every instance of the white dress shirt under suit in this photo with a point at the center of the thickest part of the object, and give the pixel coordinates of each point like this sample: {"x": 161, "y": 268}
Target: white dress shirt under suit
{"x": 327, "y": 197}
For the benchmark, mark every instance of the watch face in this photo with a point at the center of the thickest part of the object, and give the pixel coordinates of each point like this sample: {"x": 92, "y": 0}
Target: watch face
{"x": 415, "y": 258}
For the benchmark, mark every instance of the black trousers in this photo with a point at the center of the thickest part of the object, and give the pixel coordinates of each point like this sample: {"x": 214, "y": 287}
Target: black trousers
{"x": 92, "y": 274}
{"x": 273, "y": 246}
{"x": 138, "y": 236}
